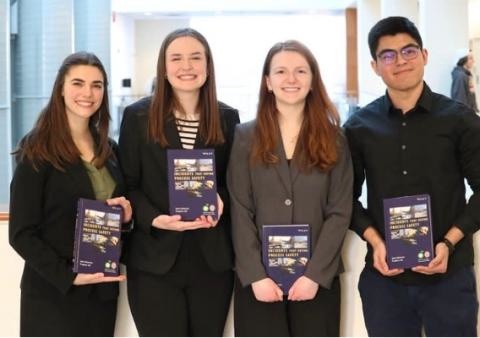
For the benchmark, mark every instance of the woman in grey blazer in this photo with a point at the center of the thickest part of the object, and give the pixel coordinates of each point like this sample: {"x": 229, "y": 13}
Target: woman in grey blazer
{"x": 291, "y": 165}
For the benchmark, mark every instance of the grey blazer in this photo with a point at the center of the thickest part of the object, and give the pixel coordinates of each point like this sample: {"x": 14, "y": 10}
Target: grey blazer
{"x": 281, "y": 194}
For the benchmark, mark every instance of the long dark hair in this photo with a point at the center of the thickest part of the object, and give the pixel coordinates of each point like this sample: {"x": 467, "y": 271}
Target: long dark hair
{"x": 50, "y": 140}
{"x": 164, "y": 101}
{"x": 320, "y": 126}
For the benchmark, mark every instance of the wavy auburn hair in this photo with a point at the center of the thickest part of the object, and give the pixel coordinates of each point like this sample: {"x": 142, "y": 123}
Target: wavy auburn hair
{"x": 164, "y": 100}
{"x": 320, "y": 126}
{"x": 50, "y": 140}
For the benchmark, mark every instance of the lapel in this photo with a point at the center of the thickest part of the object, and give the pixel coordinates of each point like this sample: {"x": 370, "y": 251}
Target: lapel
{"x": 283, "y": 169}
{"x": 171, "y": 134}
{"x": 173, "y": 139}
{"x": 79, "y": 176}
{"x": 287, "y": 173}
{"x": 114, "y": 170}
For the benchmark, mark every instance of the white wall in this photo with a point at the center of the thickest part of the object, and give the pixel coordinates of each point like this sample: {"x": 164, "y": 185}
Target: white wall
{"x": 149, "y": 35}
{"x": 474, "y": 18}
{"x": 474, "y": 33}
{"x": 238, "y": 56}
{"x": 122, "y": 65}
{"x": 12, "y": 266}
{"x": 240, "y": 48}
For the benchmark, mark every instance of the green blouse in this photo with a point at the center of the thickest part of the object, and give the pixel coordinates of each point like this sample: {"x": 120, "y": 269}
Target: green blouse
{"x": 102, "y": 182}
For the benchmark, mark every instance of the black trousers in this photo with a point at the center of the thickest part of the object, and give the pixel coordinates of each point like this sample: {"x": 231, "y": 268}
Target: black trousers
{"x": 319, "y": 317}
{"x": 60, "y": 316}
{"x": 446, "y": 308}
{"x": 189, "y": 300}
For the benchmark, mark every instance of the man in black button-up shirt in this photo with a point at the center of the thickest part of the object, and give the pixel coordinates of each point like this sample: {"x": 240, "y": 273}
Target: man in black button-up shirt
{"x": 412, "y": 141}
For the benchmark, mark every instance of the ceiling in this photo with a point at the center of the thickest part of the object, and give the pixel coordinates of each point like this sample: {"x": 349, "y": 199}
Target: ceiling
{"x": 155, "y": 8}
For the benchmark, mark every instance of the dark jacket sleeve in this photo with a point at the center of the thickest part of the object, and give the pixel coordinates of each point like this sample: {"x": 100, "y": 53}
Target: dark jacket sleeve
{"x": 323, "y": 266}
{"x": 132, "y": 136}
{"x": 26, "y": 219}
{"x": 468, "y": 148}
{"x": 247, "y": 245}
{"x": 361, "y": 220}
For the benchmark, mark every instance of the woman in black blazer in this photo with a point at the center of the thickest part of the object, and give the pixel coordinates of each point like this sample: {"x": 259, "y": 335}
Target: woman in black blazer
{"x": 67, "y": 155}
{"x": 179, "y": 272}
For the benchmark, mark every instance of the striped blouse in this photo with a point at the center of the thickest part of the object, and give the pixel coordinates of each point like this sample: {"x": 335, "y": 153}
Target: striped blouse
{"x": 187, "y": 129}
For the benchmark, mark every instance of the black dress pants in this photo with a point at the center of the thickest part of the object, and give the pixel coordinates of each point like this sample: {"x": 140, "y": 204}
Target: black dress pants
{"x": 319, "y": 317}
{"x": 57, "y": 315}
{"x": 189, "y": 300}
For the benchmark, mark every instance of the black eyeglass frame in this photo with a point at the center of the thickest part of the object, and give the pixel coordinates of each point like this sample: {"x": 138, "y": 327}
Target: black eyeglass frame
{"x": 408, "y": 52}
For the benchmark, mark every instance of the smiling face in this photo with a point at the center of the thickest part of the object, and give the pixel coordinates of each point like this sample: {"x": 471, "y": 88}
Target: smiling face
{"x": 401, "y": 75}
{"x": 289, "y": 78}
{"x": 82, "y": 92}
{"x": 186, "y": 64}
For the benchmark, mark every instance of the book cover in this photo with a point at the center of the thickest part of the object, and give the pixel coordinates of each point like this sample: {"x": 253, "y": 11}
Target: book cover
{"x": 192, "y": 183}
{"x": 285, "y": 252}
{"x": 97, "y": 244}
{"x": 408, "y": 231}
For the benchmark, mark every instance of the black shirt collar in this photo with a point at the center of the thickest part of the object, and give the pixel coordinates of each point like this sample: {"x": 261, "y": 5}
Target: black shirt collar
{"x": 423, "y": 105}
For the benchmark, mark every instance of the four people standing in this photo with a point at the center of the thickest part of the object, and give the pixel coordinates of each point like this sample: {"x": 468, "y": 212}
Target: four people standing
{"x": 291, "y": 165}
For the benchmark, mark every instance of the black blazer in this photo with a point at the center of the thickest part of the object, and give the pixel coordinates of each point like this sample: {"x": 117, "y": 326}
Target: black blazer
{"x": 43, "y": 207}
{"x": 145, "y": 168}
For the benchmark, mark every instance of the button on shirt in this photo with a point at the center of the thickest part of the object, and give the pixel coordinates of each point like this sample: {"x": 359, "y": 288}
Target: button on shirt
{"x": 428, "y": 150}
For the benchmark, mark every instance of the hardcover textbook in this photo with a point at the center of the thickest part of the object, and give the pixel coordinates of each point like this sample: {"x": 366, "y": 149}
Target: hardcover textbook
{"x": 408, "y": 231}
{"x": 286, "y": 252}
{"x": 192, "y": 183}
{"x": 97, "y": 238}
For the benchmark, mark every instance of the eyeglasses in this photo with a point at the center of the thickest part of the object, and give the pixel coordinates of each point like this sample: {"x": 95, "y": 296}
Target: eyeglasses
{"x": 389, "y": 56}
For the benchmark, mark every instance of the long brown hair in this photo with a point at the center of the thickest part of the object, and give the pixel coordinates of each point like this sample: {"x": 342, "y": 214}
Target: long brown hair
{"x": 50, "y": 140}
{"x": 321, "y": 122}
{"x": 164, "y": 100}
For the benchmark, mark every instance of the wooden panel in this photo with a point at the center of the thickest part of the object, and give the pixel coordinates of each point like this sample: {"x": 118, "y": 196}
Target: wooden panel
{"x": 352, "y": 57}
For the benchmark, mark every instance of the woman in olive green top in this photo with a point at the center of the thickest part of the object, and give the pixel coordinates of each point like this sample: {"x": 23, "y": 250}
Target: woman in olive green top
{"x": 66, "y": 156}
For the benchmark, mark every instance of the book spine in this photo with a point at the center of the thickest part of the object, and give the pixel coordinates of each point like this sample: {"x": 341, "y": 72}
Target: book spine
{"x": 78, "y": 236}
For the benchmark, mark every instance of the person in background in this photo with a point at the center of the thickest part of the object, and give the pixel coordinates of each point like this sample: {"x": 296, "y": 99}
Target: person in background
{"x": 463, "y": 88}
{"x": 291, "y": 165}
{"x": 67, "y": 155}
{"x": 412, "y": 141}
{"x": 179, "y": 272}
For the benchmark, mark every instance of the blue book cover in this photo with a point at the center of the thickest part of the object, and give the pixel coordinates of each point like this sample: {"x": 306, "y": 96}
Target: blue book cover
{"x": 192, "y": 183}
{"x": 97, "y": 244}
{"x": 408, "y": 231}
{"x": 285, "y": 252}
